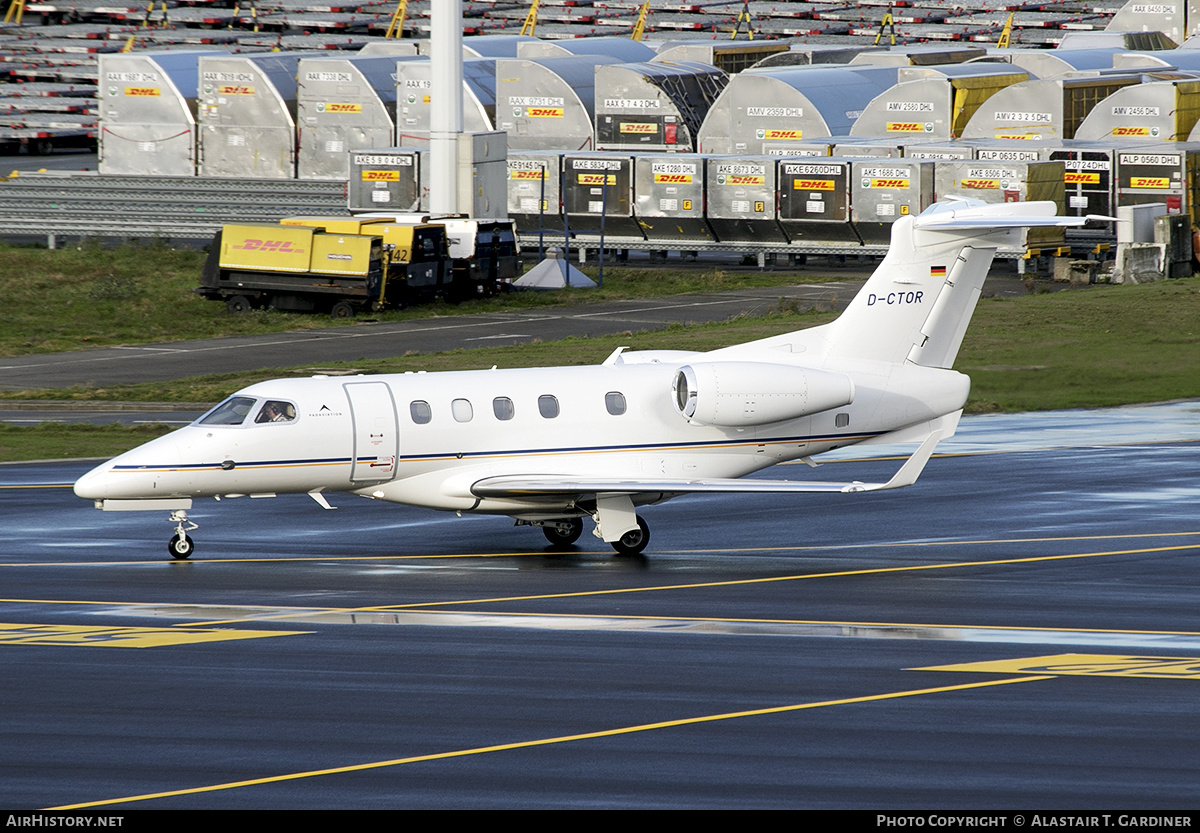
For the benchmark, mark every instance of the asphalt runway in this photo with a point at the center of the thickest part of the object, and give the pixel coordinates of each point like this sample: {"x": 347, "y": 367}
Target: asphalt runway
{"x": 1019, "y": 630}
{"x": 176, "y": 360}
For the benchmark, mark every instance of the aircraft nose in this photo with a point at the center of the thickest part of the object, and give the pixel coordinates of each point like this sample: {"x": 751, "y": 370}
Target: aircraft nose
{"x": 134, "y": 474}
{"x": 96, "y": 484}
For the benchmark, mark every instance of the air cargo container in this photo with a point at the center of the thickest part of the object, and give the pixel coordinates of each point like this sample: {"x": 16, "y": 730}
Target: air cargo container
{"x": 1038, "y": 110}
{"x": 248, "y": 115}
{"x": 1003, "y": 181}
{"x": 765, "y": 112}
{"x": 934, "y": 102}
{"x": 148, "y": 112}
{"x": 414, "y": 85}
{"x": 919, "y": 55}
{"x": 548, "y": 104}
{"x": 814, "y": 200}
{"x": 1163, "y": 111}
{"x": 741, "y": 199}
{"x": 343, "y": 104}
{"x": 883, "y": 191}
{"x": 597, "y": 194}
{"x": 620, "y": 49}
{"x": 730, "y": 57}
{"x": 534, "y": 190}
{"x": 1165, "y": 173}
{"x": 654, "y": 106}
{"x": 669, "y": 197}
{"x": 1046, "y": 64}
{"x": 388, "y": 179}
{"x": 1088, "y": 180}
{"x": 1168, "y": 16}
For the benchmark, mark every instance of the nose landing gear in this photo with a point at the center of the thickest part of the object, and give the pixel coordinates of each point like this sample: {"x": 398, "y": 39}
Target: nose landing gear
{"x": 181, "y": 545}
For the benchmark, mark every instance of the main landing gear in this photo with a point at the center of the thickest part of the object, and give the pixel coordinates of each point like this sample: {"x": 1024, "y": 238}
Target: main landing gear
{"x": 633, "y": 541}
{"x": 563, "y": 532}
{"x": 181, "y": 545}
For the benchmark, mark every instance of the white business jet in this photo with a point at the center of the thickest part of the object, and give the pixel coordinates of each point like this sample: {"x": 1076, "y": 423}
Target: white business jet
{"x": 552, "y": 446}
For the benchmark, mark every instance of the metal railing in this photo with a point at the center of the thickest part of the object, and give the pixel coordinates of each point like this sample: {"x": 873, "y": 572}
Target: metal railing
{"x": 86, "y": 204}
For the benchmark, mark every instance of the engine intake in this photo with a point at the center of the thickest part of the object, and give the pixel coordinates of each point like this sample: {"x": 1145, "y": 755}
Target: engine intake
{"x": 736, "y": 394}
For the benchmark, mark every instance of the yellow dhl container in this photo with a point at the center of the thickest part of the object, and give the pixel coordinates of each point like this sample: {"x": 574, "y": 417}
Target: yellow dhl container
{"x": 274, "y": 248}
{"x": 334, "y": 225}
{"x": 342, "y": 254}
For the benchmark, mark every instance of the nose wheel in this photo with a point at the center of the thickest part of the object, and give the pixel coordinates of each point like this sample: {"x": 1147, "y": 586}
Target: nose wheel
{"x": 181, "y": 546}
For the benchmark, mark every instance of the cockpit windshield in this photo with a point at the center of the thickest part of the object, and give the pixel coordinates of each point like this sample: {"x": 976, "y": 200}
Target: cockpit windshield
{"x": 232, "y": 411}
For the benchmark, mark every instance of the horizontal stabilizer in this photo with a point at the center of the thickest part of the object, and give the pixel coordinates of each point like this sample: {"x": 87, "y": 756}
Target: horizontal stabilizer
{"x": 535, "y": 485}
{"x": 973, "y": 214}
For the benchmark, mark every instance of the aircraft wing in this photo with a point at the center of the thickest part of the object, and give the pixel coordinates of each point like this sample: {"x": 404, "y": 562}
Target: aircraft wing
{"x": 544, "y": 484}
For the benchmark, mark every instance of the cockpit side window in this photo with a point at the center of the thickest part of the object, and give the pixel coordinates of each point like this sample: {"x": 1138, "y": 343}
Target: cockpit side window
{"x": 232, "y": 411}
{"x": 274, "y": 410}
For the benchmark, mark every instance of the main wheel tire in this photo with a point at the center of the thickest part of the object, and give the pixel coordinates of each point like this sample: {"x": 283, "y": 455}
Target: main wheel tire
{"x": 181, "y": 550}
{"x": 342, "y": 309}
{"x": 559, "y": 537}
{"x": 238, "y": 305}
{"x": 634, "y": 541}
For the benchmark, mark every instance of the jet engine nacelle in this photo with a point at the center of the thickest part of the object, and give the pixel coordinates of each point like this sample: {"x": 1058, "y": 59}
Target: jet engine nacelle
{"x": 756, "y": 393}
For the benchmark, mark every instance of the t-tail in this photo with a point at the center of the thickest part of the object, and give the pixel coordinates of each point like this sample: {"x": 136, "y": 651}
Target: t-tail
{"x": 918, "y": 303}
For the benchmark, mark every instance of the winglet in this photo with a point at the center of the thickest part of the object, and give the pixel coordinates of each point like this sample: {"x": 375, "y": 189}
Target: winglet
{"x": 909, "y": 472}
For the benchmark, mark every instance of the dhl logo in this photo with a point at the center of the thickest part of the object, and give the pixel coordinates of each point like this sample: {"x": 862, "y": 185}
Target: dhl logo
{"x": 905, "y": 127}
{"x": 672, "y": 177}
{"x": 812, "y": 184}
{"x": 980, "y": 183}
{"x": 1081, "y": 177}
{"x": 635, "y": 127}
{"x": 234, "y": 89}
{"x": 343, "y": 108}
{"x": 596, "y": 179}
{"x": 787, "y": 135}
{"x": 544, "y": 112}
{"x": 380, "y": 176}
{"x": 743, "y": 179}
{"x": 889, "y": 183}
{"x": 142, "y": 91}
{"x": 525, "y": 175}
{"x": 1149, "y": 182}
{"x": 280, "y": 246}
{"x": 1131, "y": 131}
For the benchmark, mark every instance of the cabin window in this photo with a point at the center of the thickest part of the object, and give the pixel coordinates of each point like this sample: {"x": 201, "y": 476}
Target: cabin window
{"x": 276, "y": 411}
{"x": 841, "y": 420}
{"x": 615, "y": 402}
{"x": 548, "y": 406}
{"x": 230, "y": 412}
{"x": 420, "y": 411}
{"x": 502, "y": 407}
{"x": 462, "y": 410}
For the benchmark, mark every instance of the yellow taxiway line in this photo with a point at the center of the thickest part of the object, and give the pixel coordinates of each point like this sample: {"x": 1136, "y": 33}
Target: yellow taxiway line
{"x": 529, "y": 744}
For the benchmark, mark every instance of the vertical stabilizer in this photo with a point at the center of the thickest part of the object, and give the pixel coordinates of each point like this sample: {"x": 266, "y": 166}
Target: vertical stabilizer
{"x": 917, "y": 304}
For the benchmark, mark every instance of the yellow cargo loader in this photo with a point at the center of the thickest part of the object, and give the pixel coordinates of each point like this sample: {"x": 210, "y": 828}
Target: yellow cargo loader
{"x": 334, "y": 264}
